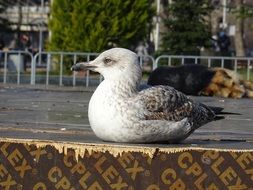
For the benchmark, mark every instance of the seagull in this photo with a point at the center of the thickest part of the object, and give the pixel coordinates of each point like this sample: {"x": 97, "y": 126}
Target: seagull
{"x": 119, "y": 112}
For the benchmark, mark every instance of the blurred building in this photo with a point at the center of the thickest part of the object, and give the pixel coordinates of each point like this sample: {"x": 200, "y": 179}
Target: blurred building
{"x": 29, "y": 18}
{"x": 29, "y": 23}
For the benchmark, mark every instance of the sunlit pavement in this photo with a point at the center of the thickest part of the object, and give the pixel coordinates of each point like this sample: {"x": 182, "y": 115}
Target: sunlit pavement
{"x": 60, "y": 113}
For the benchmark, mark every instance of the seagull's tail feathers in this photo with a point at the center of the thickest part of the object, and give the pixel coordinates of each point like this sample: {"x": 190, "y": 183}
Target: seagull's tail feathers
{"x": 219, "y": 113}
{"x": 218, "y": 117}
{"x": 216, "y": 110}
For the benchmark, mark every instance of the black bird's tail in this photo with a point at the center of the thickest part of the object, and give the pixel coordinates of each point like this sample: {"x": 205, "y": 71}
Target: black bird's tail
{"x": 216, "y": 110}
{"x": 218, "y": 117}
{"x": 220, "y": 113}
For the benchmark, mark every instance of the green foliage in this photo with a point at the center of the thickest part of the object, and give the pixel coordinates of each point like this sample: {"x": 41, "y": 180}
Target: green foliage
{"x": 188, "y": 29}
{"x": 93, "y": 26}
{"x": 245, "y": 11}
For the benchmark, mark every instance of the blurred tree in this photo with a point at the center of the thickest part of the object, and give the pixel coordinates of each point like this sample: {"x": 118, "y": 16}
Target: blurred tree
{"x": 242, "y": 11}
{"x": 239, "y": 43}
{"x": 93, "y": 26}
{"x": 187, "y": 27}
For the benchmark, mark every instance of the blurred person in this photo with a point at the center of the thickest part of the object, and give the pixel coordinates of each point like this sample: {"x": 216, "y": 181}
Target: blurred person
{"x": 26, "y": 42}
{"x": 215, "y": 44}
{"x": 224, "y": 43}
{"x": 2, "y": 45}
{"x": 25, "y": 46}
{"x": 142, "y": 51}
{"x": 13, "y": 44}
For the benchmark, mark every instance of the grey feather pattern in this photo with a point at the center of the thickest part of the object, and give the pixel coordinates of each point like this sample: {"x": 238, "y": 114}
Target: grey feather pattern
{"x": 166, "y": 103}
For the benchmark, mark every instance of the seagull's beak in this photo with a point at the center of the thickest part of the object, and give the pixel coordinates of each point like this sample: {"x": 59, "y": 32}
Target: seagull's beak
{"x": 83, "y": 66}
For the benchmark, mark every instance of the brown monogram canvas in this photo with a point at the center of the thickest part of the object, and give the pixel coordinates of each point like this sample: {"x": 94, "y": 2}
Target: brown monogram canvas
{"x": 47, "y": 166}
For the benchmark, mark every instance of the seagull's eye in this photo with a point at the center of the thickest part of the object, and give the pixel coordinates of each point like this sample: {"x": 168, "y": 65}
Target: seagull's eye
{"x": 107, "y": 60}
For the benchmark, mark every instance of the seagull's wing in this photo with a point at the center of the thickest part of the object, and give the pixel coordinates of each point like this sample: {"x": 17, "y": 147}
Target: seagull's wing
{"x": 166, "y": 103}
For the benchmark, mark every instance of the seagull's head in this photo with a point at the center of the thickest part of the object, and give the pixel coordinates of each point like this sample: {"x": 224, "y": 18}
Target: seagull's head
{"x": 114, "y": 64}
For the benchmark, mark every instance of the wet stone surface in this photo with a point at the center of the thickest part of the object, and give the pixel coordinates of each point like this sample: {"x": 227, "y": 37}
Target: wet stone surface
{"x": 60, "y": 114}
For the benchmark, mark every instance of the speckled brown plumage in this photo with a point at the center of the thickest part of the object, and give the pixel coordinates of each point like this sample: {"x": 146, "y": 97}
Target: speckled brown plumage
{"x": 166, "y": 103}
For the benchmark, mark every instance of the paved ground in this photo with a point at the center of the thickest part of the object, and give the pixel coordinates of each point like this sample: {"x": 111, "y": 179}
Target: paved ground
{"x": 61, "y": 114}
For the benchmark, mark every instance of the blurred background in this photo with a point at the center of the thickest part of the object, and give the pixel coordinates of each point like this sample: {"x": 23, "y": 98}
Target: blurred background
{"x": 162, "y": 26}
{"x": 148, "y": 27}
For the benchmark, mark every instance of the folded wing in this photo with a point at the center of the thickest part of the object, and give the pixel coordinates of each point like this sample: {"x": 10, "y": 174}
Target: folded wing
{"x": 166, "y": 103}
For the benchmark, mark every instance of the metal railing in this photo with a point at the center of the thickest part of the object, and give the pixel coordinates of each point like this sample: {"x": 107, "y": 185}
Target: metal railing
{"x": 44, "y": 61}
{"x": 72, "y": 57}
{"x": 144, "y": 61}
{"x": 13, "y": 62}
{"x": 231, "y": 62}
